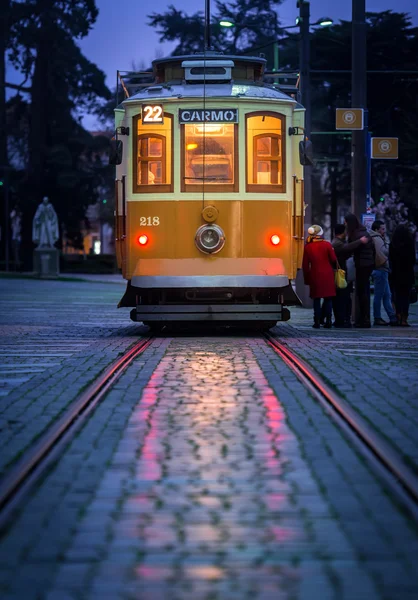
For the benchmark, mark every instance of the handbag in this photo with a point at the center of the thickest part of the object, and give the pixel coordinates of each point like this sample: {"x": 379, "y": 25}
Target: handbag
{"x": 413, "y": 296}
{"x": 340, "y": 280}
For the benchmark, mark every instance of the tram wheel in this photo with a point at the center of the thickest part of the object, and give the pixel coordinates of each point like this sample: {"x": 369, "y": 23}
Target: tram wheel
{"x": 154, "y": 326}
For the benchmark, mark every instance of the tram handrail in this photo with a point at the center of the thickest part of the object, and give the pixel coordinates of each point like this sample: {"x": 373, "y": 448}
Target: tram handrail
{"x": 123, "y": 207}
{"x": 117, "y": 209}
{"x": 302, "y": 209}
{"x": 294, "y": 207}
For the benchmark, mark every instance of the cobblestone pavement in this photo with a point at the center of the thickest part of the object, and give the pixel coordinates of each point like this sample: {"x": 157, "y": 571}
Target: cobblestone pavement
{"x": 55, "y": 337}
{"x": 375, "y": 369}
{"x": 206, "y": 473}
{"x": 209, "y": 473}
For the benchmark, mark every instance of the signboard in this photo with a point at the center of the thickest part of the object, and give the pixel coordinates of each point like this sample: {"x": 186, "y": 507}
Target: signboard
{"x": 208, "y": 115}
{"x": 152, "y": 114}
{"x": 349, "y": 118}
{"x": 368, "y": 220}
{"x": 384, "y": 147}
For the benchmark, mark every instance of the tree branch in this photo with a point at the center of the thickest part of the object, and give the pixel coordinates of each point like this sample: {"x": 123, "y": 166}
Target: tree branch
{"x": 20, "y": 87}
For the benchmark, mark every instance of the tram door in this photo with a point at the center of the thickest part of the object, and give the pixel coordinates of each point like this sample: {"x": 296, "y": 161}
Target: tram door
{"x": 298, "y": 211}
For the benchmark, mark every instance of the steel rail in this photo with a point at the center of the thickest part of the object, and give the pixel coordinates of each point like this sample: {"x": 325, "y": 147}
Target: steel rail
{"x": 401, "y": 479}
{"x": 47, "y": 448}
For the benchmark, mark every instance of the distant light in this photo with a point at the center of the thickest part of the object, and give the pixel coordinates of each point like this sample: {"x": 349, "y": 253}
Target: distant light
{"x": 298, "y": 20}
{"x": 324, "y": 22}
{"x": 191, "y": 146}
{"x": 143, "y": 239}
{"x": 96, "y": 247}
{"x": 1, "y": 183}
{"x": 225, "y": 23}
{"x": 275, "y": 240}
{"x": 104, "y": 201}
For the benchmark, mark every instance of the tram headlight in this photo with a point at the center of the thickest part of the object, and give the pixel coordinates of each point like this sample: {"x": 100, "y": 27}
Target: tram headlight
{"x": 210, "y": 239}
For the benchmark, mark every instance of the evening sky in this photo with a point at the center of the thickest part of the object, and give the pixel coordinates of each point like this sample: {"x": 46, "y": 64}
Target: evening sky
{"x": 121, "y": 37}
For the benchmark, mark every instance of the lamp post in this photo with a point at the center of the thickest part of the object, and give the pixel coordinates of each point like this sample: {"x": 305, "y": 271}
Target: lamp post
{"x": 305, "y": 88}
{"x": 359, "y": 139}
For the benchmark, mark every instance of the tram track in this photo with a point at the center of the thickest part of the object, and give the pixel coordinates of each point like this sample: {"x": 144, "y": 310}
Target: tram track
{"x": 385, "y": 460}
{"x": 28, "y": 470}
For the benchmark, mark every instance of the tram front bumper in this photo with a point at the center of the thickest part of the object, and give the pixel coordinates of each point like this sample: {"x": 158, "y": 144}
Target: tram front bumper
{"x": 210, "y": 312}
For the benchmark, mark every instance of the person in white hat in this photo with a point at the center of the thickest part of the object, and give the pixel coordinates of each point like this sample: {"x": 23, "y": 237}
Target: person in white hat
{"x": 319, "y": 262}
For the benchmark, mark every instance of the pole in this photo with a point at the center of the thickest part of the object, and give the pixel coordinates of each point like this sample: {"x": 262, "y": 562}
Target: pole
{"x": 358, "y": 100}
{"x": 305, "y": 84}
{"x": 334, "y": 198}
{"x": 275, "y": 46}
{"x": 369, "y": 169}
{"x": 5, "y": 171}
{"x": 276, "y": 56}
{"x": 207, "y": 25}
{"x": 302, "y": 290}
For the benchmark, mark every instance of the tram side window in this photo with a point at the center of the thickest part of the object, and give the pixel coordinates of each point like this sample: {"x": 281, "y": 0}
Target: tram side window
{"x": 265, "y": 153}
{"x": 209, "y": 157}
{"x": 152, "y": 166}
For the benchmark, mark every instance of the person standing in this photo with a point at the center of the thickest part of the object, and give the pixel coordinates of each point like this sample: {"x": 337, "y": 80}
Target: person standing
{"x": 402, "y": 261}
{"x": 319, "y": 262}
{"x": 342, "y": 301}
{"x": 381, "y": 276}
{"x": 364, "y": 262}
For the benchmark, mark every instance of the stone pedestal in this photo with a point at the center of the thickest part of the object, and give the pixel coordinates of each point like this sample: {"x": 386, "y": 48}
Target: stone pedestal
{"x": 46, "y": 263}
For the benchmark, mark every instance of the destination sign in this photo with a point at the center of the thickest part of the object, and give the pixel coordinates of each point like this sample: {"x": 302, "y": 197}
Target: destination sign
{"x": 208, "y": 115}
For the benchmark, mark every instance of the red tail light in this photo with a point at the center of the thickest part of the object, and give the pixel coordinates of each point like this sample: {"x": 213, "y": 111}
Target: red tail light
{"x": 275, "y": 240}
{"x": 143, "y": 239}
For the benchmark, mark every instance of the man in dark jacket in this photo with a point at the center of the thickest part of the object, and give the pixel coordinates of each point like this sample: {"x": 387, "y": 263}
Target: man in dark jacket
{"x": 364, "y": 261}
{"x": 342, "y": 301}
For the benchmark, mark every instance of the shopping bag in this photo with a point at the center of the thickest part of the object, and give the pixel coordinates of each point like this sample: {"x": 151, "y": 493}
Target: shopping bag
{"x": 340, "y": 280}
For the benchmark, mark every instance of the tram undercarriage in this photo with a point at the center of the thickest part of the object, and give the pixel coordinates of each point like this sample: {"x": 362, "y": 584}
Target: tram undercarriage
{"x": 223, "y": 305}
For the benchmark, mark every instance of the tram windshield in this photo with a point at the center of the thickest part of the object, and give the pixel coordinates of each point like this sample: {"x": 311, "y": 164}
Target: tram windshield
{"x": 209, "y": 154}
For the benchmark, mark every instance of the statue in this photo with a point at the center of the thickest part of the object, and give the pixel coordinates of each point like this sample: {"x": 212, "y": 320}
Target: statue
{"x": 45, "y": 225}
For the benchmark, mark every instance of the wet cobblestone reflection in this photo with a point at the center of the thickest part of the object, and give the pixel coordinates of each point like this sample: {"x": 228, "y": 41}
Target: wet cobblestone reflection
{"x": 210, "y": 509}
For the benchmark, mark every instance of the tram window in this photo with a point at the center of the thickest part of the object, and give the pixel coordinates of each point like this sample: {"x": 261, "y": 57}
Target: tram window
{"x": 150, "y": 171}
{"x": 265, "y": 153}
{"x": 209, "y": 157}
{"x": 153, "y": 157}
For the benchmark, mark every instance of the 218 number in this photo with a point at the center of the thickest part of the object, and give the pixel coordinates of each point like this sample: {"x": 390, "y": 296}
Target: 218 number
{"x": 150, "y": 221}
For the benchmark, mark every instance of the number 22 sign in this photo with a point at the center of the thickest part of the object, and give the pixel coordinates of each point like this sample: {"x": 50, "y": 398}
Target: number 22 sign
{"x": 152, "y": 114}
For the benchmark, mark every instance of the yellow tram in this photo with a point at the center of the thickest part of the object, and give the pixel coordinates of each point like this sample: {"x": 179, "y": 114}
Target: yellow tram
{"x": 209, "y": 193}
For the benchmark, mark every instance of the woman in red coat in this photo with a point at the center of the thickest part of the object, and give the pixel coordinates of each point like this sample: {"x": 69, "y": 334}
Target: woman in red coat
{"x": 319, "y": 262}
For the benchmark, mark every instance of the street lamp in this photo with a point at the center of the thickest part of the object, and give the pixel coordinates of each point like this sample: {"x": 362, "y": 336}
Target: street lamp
{"x": 322, "y": 22}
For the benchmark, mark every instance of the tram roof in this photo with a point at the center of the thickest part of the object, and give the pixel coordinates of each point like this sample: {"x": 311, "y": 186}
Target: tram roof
{"x": 213, "y": 90}
{"x": 208, "y": 55}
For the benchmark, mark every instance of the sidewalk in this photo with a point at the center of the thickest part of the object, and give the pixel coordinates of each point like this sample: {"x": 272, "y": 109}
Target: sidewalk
{"x": 93, "y": 277}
